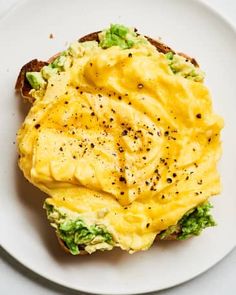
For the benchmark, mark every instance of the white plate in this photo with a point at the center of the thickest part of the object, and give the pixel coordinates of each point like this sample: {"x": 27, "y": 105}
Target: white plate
{"x": 186, "y": 25}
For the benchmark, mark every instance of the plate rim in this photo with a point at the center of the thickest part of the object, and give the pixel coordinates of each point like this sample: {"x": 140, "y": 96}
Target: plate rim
{"x": 58, "y": 282}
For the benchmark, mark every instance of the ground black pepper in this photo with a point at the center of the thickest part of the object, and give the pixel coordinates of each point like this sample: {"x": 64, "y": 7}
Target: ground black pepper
{"x": 122, "y": 179}
{"x": 140, "y": 85}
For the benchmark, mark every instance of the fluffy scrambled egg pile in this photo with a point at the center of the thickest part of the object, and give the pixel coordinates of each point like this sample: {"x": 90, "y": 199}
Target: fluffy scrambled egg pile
{"x": 123, "y": 145}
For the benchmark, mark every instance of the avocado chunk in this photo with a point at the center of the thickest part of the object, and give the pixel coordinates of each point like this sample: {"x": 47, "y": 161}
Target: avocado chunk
{"x": 35, "y": 79}
{"x": 192, "y": 223}
{"x": 58, "y": 65}
{"x": 59, "y": 62}
{"x": 76, "y": 233}
{"x": 48, "y": 71}
{"x": 119, "y": 35}
{"x": 78, "y": 49}
{"x": 182, "y": 67}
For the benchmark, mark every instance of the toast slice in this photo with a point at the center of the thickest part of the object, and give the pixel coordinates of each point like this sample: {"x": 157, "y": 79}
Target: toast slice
{"x": 23, "y": 87}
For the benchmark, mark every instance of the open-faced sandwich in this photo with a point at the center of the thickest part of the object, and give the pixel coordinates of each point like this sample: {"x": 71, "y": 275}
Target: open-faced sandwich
{"x": 122, "y": 137}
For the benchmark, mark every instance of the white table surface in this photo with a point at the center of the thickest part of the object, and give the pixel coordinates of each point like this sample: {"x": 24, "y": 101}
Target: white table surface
{"x": 221, "y": 279}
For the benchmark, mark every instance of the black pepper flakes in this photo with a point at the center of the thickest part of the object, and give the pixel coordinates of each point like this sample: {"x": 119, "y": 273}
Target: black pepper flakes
{"x": 61, "y": 149}
{"x": 147, "y": 225}
{"x": 140, "y": 86}
{"x": 66, "y": 102}
{"x": 121, "y": 150}
{"x": 125, "y": 132}
{"x": 166, "y": 133}
{"x": 174, "y": 174}
{"x": 92, "y": 145}
{"x": 92, "y": 114}
{"x": 122, "y": 179}
{"x": 122, "y": 193}
{"x": 36, "y": 126}
{"x": 130, "y": 54}
{"x": 169, "y": 180}
{"x": 199, "y": 116}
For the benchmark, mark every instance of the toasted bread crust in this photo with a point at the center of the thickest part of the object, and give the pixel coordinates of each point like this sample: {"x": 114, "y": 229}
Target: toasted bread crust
{"x": 22, "y": 85}
{"x": 90, "y": 37}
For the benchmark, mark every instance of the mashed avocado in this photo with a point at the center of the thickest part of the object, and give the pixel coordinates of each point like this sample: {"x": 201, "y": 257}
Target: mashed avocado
{"x": 38, "y": 80}
{"x": 192, "y": 223}
{"x": 77, "y": 49}
{"x": 182, "y": 67}
{"x": 35, "y": 79}
{"x": 119, "y": 35}
{"x": 76, "y": 234}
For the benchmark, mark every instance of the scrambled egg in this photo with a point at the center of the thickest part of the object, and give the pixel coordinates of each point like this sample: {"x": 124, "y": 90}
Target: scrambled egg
{"x": 119, "y": 140}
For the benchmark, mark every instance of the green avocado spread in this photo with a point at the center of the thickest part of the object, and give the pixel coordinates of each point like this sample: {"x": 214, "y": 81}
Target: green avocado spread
{"x": 191, "y": 224}
{"x": 35, "y": 79}
{"x": 79, "y": 235}
{"x": 119, "y": 35}
{"x": 76, "y": 234}
{"x": 182, "y": 67}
